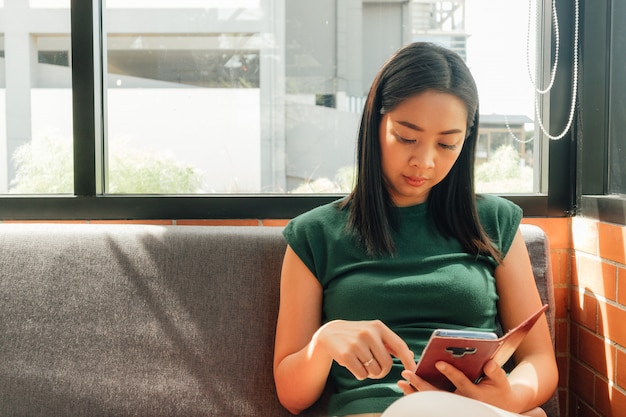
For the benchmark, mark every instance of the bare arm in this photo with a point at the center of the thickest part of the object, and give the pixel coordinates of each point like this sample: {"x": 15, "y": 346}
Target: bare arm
{"x": 535, "y": 376}
{"x": 305, "y": 350}
{"x": 300, "y": 370}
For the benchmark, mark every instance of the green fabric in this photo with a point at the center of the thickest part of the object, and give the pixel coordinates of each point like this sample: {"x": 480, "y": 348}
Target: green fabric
{"x": 429, "y": 283}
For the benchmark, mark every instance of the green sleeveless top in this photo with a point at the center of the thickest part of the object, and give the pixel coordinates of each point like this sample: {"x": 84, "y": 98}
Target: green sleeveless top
{"x": 429, "y": 283}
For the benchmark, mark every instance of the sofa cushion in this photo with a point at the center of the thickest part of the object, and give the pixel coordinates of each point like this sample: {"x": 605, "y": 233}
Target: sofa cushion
{"x": 138, "y": 320}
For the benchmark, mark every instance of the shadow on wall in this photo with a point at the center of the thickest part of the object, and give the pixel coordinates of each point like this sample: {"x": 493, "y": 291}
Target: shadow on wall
{"x": 597, "y": 340}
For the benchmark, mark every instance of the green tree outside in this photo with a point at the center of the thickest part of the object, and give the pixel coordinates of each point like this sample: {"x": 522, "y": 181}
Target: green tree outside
{"x": 45, "y": 166}
{"x": 504, "y": 172}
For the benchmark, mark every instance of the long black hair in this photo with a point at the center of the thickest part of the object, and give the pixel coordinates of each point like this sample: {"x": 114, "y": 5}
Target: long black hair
{"x": 412, "y": 70}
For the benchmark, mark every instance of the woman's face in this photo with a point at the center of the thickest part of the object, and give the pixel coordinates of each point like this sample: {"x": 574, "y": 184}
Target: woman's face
{"x": 420, "y": 140}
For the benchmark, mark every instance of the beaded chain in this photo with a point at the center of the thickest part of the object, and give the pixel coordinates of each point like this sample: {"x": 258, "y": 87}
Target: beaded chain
{"x": 539, "y": 92}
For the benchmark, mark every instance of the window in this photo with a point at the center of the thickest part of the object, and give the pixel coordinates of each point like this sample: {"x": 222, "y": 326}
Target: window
{"x": 244, "y": 99}
{"x": 601, "y": 175}
{"x": 36, "y": 100}
{"x": 617, "y": 105}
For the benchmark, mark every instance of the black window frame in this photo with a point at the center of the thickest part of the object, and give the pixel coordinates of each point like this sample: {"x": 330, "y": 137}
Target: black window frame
{"x": 599, "y": 124}
{"x": 90, "y": 203}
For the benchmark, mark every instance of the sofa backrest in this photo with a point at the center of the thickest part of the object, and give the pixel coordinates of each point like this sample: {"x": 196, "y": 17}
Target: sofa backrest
{"x": 131, "y": 320}
{"x": 138, "y": 320}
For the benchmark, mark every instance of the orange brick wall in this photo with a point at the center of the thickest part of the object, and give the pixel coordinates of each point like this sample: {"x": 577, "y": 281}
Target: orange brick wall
{"x": 589, "y": 272}
{"x": 598, "y": 319}
{"x": 589, "y": 269}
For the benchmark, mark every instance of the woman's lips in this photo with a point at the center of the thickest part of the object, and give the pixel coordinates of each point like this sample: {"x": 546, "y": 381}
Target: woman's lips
{"x": 415, "y": 181}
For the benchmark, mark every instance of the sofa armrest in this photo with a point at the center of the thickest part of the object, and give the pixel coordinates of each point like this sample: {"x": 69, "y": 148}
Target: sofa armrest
{"x": 539, "y": 251}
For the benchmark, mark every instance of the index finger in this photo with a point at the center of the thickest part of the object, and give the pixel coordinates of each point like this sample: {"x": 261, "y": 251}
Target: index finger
{"x": 398, "y": 348}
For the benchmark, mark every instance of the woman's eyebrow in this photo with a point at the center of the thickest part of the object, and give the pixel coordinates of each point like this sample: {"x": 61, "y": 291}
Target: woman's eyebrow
{"x": 419, "y": 129}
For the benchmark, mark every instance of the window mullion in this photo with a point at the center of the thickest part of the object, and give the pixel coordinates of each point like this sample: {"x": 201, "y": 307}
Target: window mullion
{"x": 562, "y": 152}
{"x": 87, "y": 96}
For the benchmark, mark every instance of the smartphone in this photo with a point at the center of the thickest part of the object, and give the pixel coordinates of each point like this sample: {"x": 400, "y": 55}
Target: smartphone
{"x": 466, "y": 350}
{"x": 469, "y": 351}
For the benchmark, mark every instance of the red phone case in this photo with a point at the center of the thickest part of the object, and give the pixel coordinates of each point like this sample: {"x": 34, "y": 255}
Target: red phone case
{"x": 470, "y": 355}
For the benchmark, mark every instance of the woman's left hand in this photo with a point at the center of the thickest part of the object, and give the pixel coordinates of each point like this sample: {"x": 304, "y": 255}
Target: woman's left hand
{"x": 493, "y": 389}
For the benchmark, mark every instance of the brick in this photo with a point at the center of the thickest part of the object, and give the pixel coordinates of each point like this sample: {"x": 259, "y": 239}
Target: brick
{"x": 599, "y": 355}
{"x": 621, "y": 286}
{"x": 561, "y": 336}
{"x": 563, "y": 401}
{"x": 560, "y": 262}
{"x": 137, "y": 221}
{"x": 620, "y": 377}
{"x": 618, "y": 403}
{"x": 580, "y": 408}
{"x": 573, "y": 278}
{"x": 574, "y": 330}
{"x": 609, "y": 401}
{"x": 275, "y": 222}
{"x": 612, "y": 242}
{"x": 563, "y": 367}
{"x": 585, "y": 236}
{"x": 219, "y": 222}
{"x": 561, "y": 303}
{"x": 557, "y": 229}
{"x": 584, "y": 310}
{"x": 580, "y": 381}
{"x": 44, "y": 221}
{"x": 598, "y": 277}
{"x": 612, "y": 323}
{"x": 602, "y": 400}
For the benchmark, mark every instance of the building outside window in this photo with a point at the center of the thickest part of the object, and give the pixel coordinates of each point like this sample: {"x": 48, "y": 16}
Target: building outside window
{"x": 248, "y": 96}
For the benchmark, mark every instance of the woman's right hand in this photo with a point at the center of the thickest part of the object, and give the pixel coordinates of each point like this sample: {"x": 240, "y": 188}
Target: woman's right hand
{"x": 305, "y": 348}
{"x": 365, "y": 348}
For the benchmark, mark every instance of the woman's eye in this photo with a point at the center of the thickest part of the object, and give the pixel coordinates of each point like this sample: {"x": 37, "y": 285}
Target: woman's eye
{"x": 448, "y": 147}
{"x": 403, "y": 140}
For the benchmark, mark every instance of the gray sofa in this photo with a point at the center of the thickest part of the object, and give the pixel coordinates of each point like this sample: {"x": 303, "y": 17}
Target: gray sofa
{"x": 132, "y": 320}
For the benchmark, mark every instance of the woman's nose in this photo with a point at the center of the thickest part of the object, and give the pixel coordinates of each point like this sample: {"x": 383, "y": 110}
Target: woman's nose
{"x": 422, "y": 157}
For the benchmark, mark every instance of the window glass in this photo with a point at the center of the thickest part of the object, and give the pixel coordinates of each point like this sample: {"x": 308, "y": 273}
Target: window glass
{"x": 49, "y": 4}
{"x": 3, "y": 125}
{"x": 266, "y": 96}
{"x": 249, "y": 96}
{"x": 35, "y": 99}
{"x": 500, "y": 48}
{"x": 184, "y": 105}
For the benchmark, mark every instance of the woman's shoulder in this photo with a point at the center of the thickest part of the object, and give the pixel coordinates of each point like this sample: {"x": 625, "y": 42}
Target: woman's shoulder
{"x": 326, "y": 217}
{"x": 321, "y": 214}
{"x": 317, "y": 232}
{"x": 500, "y": 218}
{"x": 490, "y": 205}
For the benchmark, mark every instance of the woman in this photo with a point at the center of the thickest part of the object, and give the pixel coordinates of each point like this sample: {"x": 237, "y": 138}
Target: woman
{"x": 367, "y": 279}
